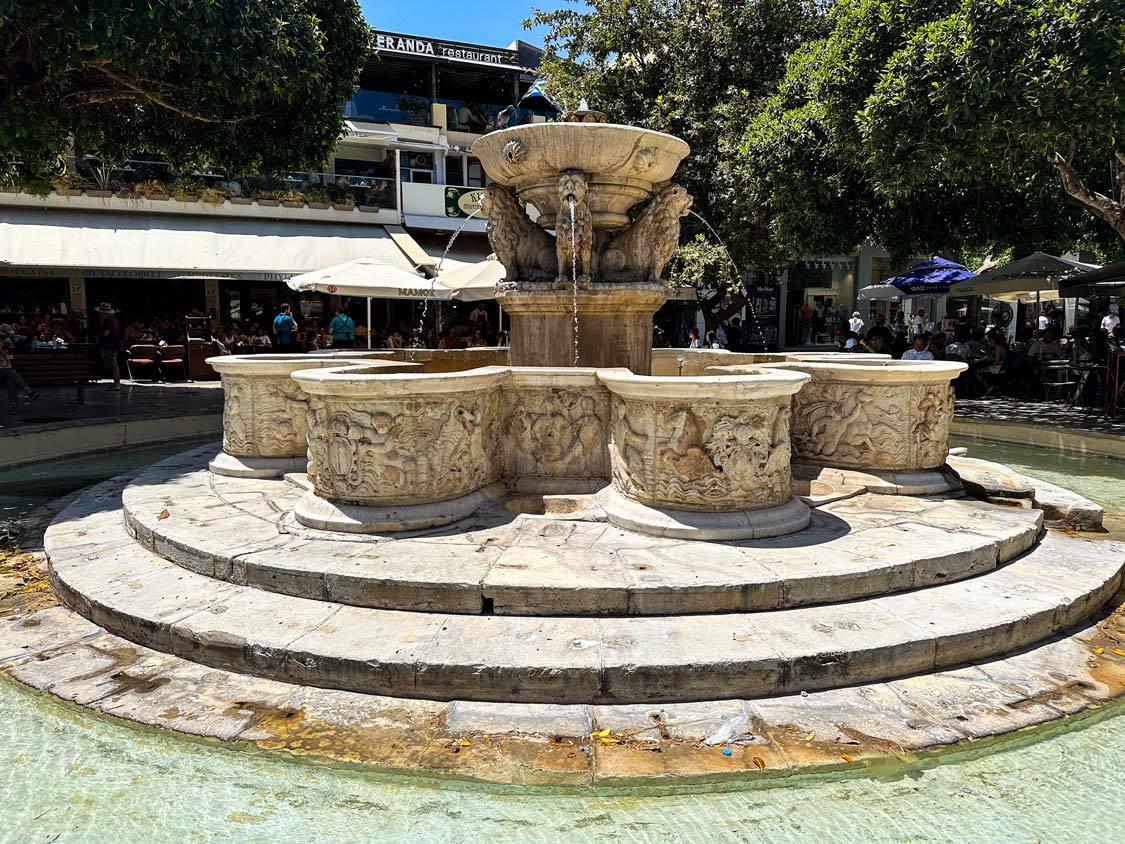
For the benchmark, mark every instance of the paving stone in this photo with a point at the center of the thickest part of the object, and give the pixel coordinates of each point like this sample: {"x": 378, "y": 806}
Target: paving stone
{"x": 545, "y": 719}
{"x": 25, "y": 635}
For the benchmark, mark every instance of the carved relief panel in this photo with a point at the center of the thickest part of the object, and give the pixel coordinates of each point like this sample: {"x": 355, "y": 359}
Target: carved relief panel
{"x": 893, "y": 426}
{"x": 264, "y": 417}
{"x": 702, "y": 456}
{"x": 380, "y": 453}
{"x": 556, "y": 433}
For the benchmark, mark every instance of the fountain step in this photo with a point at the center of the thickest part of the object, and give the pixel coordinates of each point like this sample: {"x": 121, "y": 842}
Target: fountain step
{"x": 517, "y": 564}
{"x": 102, "y": 573}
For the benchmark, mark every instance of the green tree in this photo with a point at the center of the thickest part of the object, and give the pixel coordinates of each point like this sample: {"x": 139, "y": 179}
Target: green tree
{"x": 238, "y": 84}
{"x": 692, "y": 68}
{"x": 854, "y": 147}
{"x": 1020, "y": 85}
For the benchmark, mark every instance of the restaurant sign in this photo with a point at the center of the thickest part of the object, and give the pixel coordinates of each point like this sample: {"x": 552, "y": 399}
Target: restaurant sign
{"x": 414, "y": 45}
{"x": 463, "y": 202}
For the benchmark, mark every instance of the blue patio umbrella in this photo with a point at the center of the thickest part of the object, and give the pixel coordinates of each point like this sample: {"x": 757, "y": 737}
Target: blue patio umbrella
{"x": 931, "y": 277}
{"x": 536, "y": 96}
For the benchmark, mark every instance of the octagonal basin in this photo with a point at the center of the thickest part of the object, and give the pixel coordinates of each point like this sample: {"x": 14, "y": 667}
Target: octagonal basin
{"x": 621, "y": 163}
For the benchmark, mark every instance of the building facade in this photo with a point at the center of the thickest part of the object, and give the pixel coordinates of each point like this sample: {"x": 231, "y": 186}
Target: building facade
{"x": 155, "y": 242}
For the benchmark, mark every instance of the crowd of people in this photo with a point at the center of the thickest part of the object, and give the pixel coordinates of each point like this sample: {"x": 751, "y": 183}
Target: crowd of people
{"x": 995, "y": 361}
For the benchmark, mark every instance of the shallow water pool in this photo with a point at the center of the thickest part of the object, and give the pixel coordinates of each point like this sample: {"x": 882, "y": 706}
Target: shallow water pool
{"x": 67, "y": 775}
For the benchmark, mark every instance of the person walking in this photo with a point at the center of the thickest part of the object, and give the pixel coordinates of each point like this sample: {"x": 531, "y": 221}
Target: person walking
{"x": 693, "y": 338}
{"x": 9, "y": 377}
{"x": 109, "y": 344}
{"x": 343, "y": 330}
{"x": 284, "y": 327}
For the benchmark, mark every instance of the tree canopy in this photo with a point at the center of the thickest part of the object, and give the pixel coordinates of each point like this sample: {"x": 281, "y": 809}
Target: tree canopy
{"x": 932, "y": 126}
{"x": 692, "y": 68}
{"x": 244, "y": 85}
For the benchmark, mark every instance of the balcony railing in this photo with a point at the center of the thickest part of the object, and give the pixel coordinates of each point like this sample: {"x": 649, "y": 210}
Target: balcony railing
{"x": 140, "y": 179}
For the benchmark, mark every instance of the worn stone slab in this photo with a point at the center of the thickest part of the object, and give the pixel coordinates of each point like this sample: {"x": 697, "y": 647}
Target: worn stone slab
{"x": 1061, "y": 507}
{"x": 623, "y": 744}
{"x": 514, "y": 563}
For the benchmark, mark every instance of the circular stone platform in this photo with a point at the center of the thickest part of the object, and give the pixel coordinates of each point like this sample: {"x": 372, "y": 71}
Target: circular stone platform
{"x": 237, "y": 625}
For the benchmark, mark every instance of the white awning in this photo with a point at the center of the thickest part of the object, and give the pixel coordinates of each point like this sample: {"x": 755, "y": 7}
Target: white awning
{"x": 101, "y": 243}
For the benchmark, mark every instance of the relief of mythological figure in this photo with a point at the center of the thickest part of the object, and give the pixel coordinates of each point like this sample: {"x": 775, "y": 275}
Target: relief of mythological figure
{"x": 934, "y": 408}
{"x": 562, "y": 430}
{"x": 850, "y": 425}
{"x": 574, "y": 232}
{"x": 640, "y": 252}
{"x": 525, "y": 250}
{"x": 409, "y": 450}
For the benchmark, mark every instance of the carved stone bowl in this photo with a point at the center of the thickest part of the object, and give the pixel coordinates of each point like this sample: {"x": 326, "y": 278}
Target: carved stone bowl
{"x": 889, "y": 415}
{"x": 705, "y": 457}
{"x": 622, "y": 165}
{"x": 264, "y": 411}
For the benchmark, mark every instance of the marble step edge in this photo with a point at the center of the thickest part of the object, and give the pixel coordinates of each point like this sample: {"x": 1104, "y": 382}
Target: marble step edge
{"x": 57, "y": 652}
{"x": 138, "y": 595}
{"x": 539, "y": 583}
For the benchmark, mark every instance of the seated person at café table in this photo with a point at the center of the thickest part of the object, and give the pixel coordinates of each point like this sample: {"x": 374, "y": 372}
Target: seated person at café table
{"x": 919, "y": 352}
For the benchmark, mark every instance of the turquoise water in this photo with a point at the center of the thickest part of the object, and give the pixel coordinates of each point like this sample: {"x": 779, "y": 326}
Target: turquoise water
{"x": 66, "y": 775}
{"x": 1099, "y": 478}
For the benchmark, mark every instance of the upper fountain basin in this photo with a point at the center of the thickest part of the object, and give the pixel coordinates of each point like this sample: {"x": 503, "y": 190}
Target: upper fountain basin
{"x": 621, "y": 163}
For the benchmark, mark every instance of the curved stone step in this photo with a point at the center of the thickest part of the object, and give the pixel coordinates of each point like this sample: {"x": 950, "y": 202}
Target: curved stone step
{"x": 137, "y": 594}
{"x": 517, "y": 564}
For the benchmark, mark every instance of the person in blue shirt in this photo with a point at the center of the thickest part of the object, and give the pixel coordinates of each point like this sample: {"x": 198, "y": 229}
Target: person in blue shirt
{"x": 283, "y": 327}
{"x": 343, "y": 330}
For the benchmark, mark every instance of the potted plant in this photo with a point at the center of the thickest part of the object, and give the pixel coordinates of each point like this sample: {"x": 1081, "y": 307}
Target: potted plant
{"x": 151, "y": 189}
{"x": 101, "y": 181}
{"x": 185, "y": 191}
{"x": 292, "y": 199}
{"x": 266, "y": 198}
{"x": 66, "y": 184}
{"x": 212, "y": 196}
{"x": 317, "y": 199}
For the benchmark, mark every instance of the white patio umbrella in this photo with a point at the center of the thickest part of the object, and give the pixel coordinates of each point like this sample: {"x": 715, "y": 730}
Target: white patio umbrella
{"x": 473, "y": 282}
{"x": 1035, "y": 272}
{"x": 879, "y": 291}
{"x": 372, "y": 279}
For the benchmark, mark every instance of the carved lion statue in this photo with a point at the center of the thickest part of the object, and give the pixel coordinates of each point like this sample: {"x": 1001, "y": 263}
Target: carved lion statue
{"x": 640, "y": 252}
{"x": 522, "y": 247}
{"x": 573, "y": 238}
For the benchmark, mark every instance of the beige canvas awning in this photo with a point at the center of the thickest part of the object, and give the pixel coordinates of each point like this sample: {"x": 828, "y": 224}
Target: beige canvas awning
{"x": 181, "y": 245}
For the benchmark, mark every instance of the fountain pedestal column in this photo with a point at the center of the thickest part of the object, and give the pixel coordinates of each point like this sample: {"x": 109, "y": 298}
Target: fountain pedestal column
{"x": 614, "y": 324}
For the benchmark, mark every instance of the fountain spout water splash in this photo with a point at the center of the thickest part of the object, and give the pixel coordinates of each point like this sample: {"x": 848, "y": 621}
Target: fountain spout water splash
{"x": 574, "y": 275}
{"x": 733, "y": 268}
{"x": 437, "y": 272}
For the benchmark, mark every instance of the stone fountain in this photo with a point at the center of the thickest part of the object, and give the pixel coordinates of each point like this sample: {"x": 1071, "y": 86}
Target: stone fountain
{"x": 602, "y": 269}
{"x": 656, "y": 547}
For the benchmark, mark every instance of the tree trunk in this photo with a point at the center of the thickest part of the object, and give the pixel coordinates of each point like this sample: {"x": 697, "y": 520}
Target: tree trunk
{"x": 1110, "y": 209}
{"x": 732, "y": 303}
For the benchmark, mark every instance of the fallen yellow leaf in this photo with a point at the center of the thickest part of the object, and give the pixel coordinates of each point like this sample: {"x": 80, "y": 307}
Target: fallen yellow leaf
{"x": 1099, "y": 651}
{"x": 163, "y": 514}
{"x": 1119, "y": 652}
{"x": 464, "y": 742}
{"x": 759, "y": 762}
{"x": 599, "y": 734}
{"x": 846, "y": 757}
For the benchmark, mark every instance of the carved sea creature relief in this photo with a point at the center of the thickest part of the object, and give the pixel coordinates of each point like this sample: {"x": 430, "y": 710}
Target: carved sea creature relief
{"x": 641, "y": 251}
{"x": 848, "y": 423}
{"x": 574, "y": 237}
{"x": 683, "y": 472}
{"x": 280, "y": 408}
{"x": 525, "y": 250}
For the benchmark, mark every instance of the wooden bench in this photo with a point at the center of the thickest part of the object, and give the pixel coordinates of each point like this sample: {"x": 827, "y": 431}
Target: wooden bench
{"x": 50, "y": 369}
